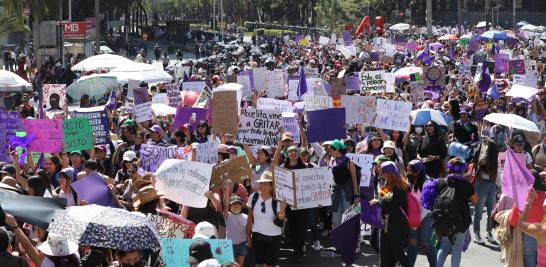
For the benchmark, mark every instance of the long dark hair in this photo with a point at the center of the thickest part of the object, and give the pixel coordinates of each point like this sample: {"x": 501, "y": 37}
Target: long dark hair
{"x": 417, "y": 182}
{"x": 65, "y": 261}
{"x": 57, "y": 162}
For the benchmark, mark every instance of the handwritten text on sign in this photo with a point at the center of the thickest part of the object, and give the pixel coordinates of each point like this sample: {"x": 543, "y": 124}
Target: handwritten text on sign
{"x": 78, "y": 134}
{"x": 184, "y": 182}
{"x": 290, "y": 125}
{"x": 392, "y": 115}
{"x": 168, "y": 228}
{"x": 284, "y": 185}
{"x": 207, "y": 152}
{"x": 360, "y": 109}
{"x": 175, "y": 252}
{"x": 152, "y": 156}
{"x": 372, "y": 81}
{"x": 259, "y": 127}
{"x": 313, "y": 187}
{"x": 49, "y": 135}
{"x": 364, "y": 161}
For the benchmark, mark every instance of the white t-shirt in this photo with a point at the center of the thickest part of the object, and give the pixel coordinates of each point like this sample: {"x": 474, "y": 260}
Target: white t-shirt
{"x": 263, "y": 222}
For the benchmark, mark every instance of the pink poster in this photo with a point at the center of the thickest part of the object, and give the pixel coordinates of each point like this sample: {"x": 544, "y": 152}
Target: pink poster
{"x": 49, "y": 135}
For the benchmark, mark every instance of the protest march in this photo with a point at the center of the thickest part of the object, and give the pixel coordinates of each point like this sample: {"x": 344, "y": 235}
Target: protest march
{"x": 377, "y": 146}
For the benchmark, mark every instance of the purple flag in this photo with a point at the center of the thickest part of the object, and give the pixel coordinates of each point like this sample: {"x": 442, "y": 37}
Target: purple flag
{"x": 326, "y": 124}
{"x": 370, "y": 214}
{"x": 111, "y": 105}
{"x": 345, "y": 237}
{"x": 302, "y": 86}
{"x": 516, "y": 178}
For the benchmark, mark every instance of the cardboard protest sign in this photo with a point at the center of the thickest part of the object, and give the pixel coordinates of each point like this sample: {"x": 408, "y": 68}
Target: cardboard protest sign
{"x": 54, "y": 97}
{"x": 259, "y": 127}
{"x": 184, "y": 182}
{"x": 290, "y": 125}
{"x": 326, "y": 124}
{"x": 151, "y": 156}
{"x": 174, "y": 98}
{"x": 359, "y": 109}
{"x": 10, "y": 123}
{"x": 315, "y": 87}
{"x": 143, "y": 107}
{"x": 372, "y": 81}
{"x": 517, "y": 66}
{"x": 195, "y": 86}
{"x": 313, "y": 187}
{"x": 168, "y": 228}
{"x": 225, "y": 111}
{"x": 285, "y": 185}
{"x": 274, "y": 104}
{"x": 175, "y": 252}
{"x": 186, "y": 114}
{"x": 78, "y": 134}
{"x": 99, "y": 122}
{"x": 49, "y": 135}
{"x": 275, "y": 85}
{"x": 502, "y": 63}
{"x": 207, "y": 152}
{"x": 364, "y": 161}
{"x": 234, "y": 170}
{"x": 318, "y": 102}
{"x": 392, "y": 115}
{"x": 93, "y": 189}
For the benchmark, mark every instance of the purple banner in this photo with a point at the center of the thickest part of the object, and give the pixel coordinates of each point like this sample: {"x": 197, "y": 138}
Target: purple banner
{"x": 9, "y": 124}
{"x": 184, "y": 114}
{"x": 94, "y": 190}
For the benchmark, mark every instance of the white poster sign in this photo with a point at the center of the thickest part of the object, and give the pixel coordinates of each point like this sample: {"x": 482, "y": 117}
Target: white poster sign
{"x": 318, "y": 102}
{"x": 207, "y": 152}
{"x": 274, "y": 104}
{"x": 392, "y": 115}
{"x": 284, "y": 185}
{"x": 364, "y": 161}
{"x": 290, "y": 125}
{"x": 359, "y": 109}
{"x": 259, "y": 127}
{"x": 313, "y": 187}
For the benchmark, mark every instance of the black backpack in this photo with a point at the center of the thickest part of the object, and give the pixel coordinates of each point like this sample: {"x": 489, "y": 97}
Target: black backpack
{"x": 448, "y": 216}
{"x": 278, "y": 222}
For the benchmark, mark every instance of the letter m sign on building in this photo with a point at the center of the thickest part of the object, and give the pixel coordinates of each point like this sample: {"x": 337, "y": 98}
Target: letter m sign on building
{"x": 74, "y": 29}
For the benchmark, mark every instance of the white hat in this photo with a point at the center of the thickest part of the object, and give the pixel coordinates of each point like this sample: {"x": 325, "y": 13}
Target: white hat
{"x": 388, "y": 144}
{"x": 129, "y": 155}
{"x": 209, "y": 263}
{"x": 57, "y": 245}
{"x": 204, "y": 230}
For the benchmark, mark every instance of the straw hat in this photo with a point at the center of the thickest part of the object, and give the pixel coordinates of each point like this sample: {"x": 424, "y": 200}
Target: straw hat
{"x": 146, "y": 194}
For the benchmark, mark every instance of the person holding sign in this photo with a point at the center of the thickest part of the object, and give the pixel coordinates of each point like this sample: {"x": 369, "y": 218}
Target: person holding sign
{"x": 260, "y": 163}
{"x": 345, "y": 190}
{"x": 265, "y": 219}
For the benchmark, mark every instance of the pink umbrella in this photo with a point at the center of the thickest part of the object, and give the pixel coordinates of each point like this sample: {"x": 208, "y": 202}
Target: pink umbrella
{"x": 449, "y": 37}
{"x": 405, "y": 72}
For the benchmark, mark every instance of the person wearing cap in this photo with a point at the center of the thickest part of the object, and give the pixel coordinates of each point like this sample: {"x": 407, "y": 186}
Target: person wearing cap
{"x": 264, "y": 234}
{"x": 76, "y": 160}
{"x": 200, "y": 254}
{"x": 464, "y": 191}
{"x": 432, "y": 150}
{"x": 260, "y": 163}
{"x": 101, "y": 156}
{"x": 419, "y": 239}
{"x": 155, "y": 135}
{"x": 375, "y": 143}
{"x": 465, "y": 131}
{"x": 236, "y": 227}
{"x": 68, "y": 175}
{"x": 55, "y": 249}
{"x": 393, "y": 201}
{"x": 285, "y": 142}
{"x": 8, "y": 170}
{"x": 389, "y": 150}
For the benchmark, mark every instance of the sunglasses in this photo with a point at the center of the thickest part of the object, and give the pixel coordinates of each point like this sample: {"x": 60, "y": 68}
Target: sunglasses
{"x": 263, "y": 207}
{"x": 430, "y": 125}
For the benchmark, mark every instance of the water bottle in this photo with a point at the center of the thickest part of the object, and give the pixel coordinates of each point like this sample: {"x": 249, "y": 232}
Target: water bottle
{"x": 327, "y": 254}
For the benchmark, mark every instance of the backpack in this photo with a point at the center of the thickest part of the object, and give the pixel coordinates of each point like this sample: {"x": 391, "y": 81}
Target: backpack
{"x": 414, "y": 211}
{"x": 278, "y": 222}
{"x": 448, "y": 216}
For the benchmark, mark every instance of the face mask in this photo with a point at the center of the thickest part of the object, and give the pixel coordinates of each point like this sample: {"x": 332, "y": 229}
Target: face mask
{"x": 418, "y": 130}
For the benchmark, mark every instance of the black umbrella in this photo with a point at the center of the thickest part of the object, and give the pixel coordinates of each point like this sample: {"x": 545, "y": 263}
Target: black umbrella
{"x": 34, "y": 210}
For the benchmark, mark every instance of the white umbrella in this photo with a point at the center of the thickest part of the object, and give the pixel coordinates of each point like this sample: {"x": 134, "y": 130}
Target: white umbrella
{"x": 400, "y": 27}
{"x": 92, "y": 85}
{"x": 522, "y": 91}
{"x": 514, "y": 121}
{"x": 11, "y": 82}
{"x": 529, "y": 27}
{"x": 101, "y": 62}
{"x": 141, "y": 72}
{"x": 161, "y": 109}
{"x": 481, "y": 24}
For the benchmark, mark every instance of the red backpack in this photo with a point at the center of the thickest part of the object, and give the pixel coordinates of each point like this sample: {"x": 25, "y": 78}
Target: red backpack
{"x": 414, "y": 211}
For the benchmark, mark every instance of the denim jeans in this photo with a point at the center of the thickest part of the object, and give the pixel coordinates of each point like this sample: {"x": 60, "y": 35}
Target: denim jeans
{"x": 487, "y": 191}
{"x": 529, "y": 251}
{"x": 456, "y": 250}
{"x": 422, "y": 236}
{"x": 340, "y": 207}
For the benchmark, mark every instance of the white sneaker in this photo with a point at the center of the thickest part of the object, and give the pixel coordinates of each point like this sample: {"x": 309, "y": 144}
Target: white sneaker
{"x": 478, "y": 239}
{"x": 489, "y": 237}
{"x": 316, "y": 245}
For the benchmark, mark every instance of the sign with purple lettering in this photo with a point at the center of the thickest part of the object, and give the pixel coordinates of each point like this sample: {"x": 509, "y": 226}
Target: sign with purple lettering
{"x": 49, "y": 135}
{"x": 392, "y": 115}
{"x": 9, "y": 124}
